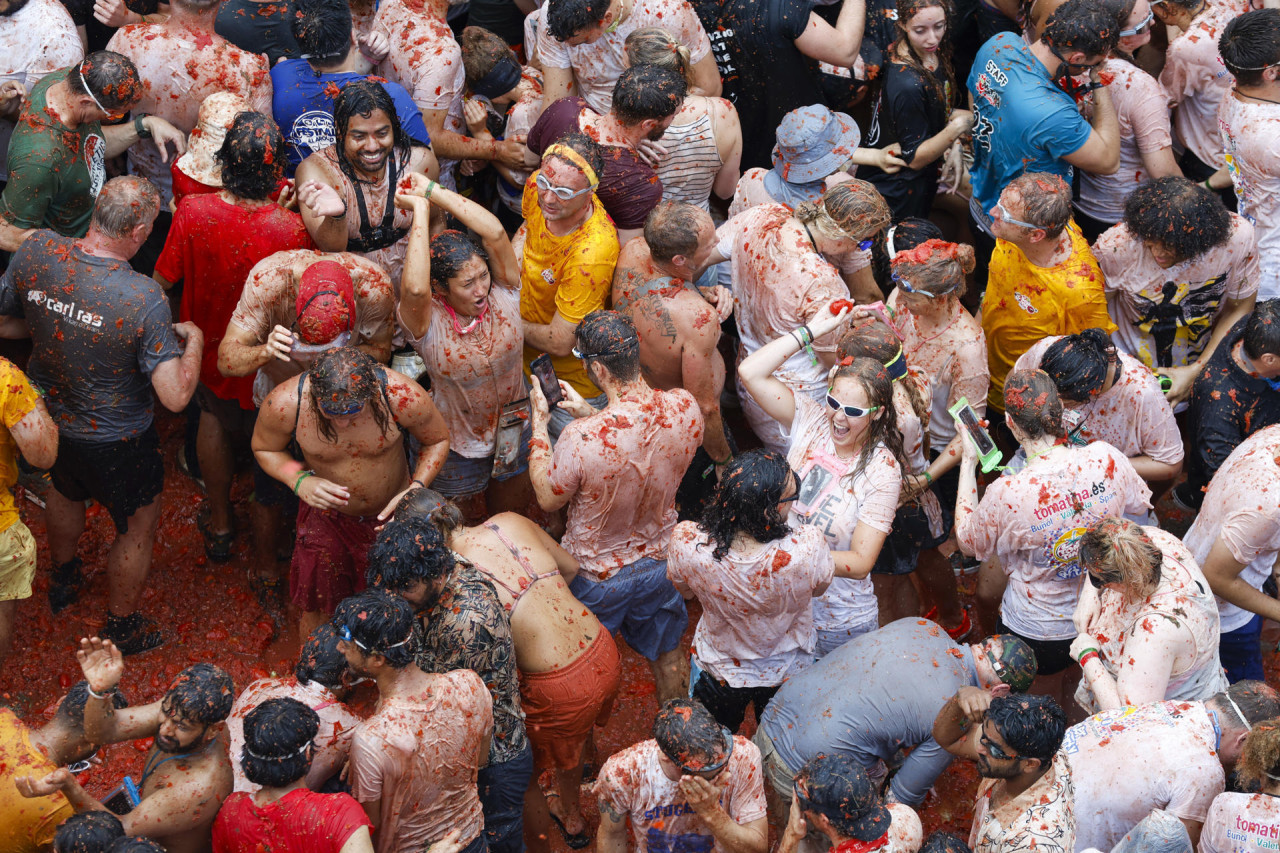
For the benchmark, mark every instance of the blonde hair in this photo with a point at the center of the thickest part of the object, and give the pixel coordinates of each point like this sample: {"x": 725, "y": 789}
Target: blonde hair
{"x": 656, "y": 46}
{"x": 1259, "y": 761}
{"x": 1120, "y": 551}
{"x": 852, "y": 209}
{"x": 935, "y": 266}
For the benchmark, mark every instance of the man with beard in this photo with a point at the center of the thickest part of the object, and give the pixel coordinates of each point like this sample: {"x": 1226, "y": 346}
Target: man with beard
{"x": 645, "y": 101}
{"x": 414, "y": 763}
{"x": 186, "y": 775}
{"x": 349, "y": 417}
{"x": 1026, "y": 799}
{"x": 346, "y": 192}
{"x": 461, "y": 624}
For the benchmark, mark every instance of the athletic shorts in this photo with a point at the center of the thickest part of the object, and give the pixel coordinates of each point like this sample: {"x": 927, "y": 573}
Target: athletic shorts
{"x": 239, "y": 423}
{"x": 563, "y": 705}
{"x": 17, "y": 562}
{"x": 637, "y": 603}
{"x": 1052, "y": 656}
{"x": 462, "y": 476}
{"x": 910, "y": 535}
{"x": 123, "y": 476}
{"x": 330, "y": 557}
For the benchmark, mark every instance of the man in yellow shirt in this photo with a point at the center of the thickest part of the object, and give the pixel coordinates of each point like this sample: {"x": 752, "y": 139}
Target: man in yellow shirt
{"x": 1044, "y": 279}
{"x": 570, "y": 249}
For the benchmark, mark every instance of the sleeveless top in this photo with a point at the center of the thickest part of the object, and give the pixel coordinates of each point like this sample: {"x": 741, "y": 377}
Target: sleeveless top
{"x": 525, "y": 586}
{"x": 690, "y": 167}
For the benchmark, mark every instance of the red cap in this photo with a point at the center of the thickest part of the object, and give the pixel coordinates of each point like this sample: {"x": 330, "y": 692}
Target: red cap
{"x": 326, "y": 302}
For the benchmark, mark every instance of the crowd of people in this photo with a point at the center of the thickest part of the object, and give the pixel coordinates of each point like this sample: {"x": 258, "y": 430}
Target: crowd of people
{"x": 533, "y": 322}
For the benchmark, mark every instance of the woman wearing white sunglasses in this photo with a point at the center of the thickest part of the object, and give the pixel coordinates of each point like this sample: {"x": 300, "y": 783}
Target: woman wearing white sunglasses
{"x": 848, "y": 452}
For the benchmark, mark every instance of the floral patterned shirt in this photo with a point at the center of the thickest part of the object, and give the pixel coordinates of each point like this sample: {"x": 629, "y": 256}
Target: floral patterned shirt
{"x": 1040, "y": 819}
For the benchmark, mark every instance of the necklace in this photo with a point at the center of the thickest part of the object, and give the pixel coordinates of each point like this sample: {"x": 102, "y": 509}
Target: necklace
{"x": 1254, "y": 97}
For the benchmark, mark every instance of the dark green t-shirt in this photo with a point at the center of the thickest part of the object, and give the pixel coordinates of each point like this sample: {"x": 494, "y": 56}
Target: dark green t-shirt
{"x": 55, "y": 173}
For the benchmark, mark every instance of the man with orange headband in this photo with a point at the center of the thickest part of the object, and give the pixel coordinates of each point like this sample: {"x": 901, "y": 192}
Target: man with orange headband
{"x": 570, "y": 249}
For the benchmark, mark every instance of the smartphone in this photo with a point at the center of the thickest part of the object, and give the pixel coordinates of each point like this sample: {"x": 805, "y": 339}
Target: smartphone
{"x": 123, "y": 799}
{"x": 1166, "y": 383}
{"x": 546, "y": 376}
{"x": 968, "y": 420}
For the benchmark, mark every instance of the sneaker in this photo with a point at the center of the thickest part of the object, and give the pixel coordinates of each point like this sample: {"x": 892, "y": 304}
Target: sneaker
{"x": 133, "y": 634}
{"x": 65, "y": 585}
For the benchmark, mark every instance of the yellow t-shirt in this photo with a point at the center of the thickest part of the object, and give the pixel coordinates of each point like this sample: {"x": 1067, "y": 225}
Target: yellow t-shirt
{"x": 1025, "y": 303}
{"x": 570, "y": 275}
{"x": 26, "y": 826}
{"x": 17, "y": 400}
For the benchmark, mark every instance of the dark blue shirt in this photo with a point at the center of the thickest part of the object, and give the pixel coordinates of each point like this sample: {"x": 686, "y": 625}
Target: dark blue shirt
{"x": 302, "y": 104}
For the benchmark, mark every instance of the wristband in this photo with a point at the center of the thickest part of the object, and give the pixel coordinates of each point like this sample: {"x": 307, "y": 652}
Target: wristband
{"x": 928, "y": 478}
{"x": 140, "y": 128}
{"x": 421, "y": 484}
{"x": 343, "y": 214}
{"x": 1088, "y": 653}
{"x": 97, "y": 695}
{"x": 304, "y": 475}
{"x": 431, "y": 186}
{"x": 1207, "y": 186}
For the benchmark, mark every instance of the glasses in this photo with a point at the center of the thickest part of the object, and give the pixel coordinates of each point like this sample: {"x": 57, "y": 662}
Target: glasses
{"x": 906, "y": 287}
{"x": 562, "y": 193}
{"x": 1083, "y": 66}
{"x": 1141, "y": 28}
{"x": 1005, "y": 217}
{"x": 996, "y": 752}
{"x": 585, "y": 355}
{"x": 795, "y": 479}
{"x": 849, "y": 411}
{"x": 344, "y": 633}
{"x": 710, "y": 772}
{"x": 346, "y": 410}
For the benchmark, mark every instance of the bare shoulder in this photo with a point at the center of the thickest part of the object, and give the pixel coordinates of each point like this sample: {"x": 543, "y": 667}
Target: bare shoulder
{"x": 317, "y": 167}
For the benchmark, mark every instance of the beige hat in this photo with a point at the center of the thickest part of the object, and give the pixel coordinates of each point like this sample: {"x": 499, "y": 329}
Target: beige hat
{"x": 217, "y": 113}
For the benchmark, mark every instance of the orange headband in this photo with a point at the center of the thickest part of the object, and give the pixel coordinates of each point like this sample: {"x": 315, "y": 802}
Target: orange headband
{"x": 575, "y": 158}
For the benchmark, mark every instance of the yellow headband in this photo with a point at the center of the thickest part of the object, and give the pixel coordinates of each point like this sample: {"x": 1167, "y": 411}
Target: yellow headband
{"x": 575, "y": 158}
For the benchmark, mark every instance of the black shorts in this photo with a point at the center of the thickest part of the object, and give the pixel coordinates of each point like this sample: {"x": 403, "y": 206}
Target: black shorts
{"x": 123, "y": 476}
{"x": 238, "y": 423}
{"x": 1052, "y": 656}
{"x": 910, "y": 535}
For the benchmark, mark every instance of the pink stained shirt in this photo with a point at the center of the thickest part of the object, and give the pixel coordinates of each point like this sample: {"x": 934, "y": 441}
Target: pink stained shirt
{"x": 750, "y": 192}
{"x": 1033, "y": 521}
{"x": 1039, "y": 820}
{"x": 757, "y": 603}
{"x": 1241, "y": 823}
{"x": 1165, "y": 317}
{"x": 1249, "y": 131}
{"x": 417, "y": 757}
{"x": 1242, "y": 508}
{"x": 1196, "y": 80}
{"x": 632, "y": 782}
{"x": 180, "y": 67}
{"x": 1132, "y": 416}
{"x": 835, "y": 498}
{"x": 622, "y": 467}
{"x": 475, "y": 374}
{"x": 337, "y": 721}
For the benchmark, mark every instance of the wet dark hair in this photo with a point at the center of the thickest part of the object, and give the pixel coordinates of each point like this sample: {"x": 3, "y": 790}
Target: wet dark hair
{"x": 202, "y": 693}
{"x": 276, "y": 736}
{"x": 877, "y": 341}
{"x": 688, "y": 734}
{"x": 1262, "y": 330}
{"x": 585, "y": 147}
{"x": 71, "y": 708}
{"x": 944, "y": 842}
{"x": 907, "y": 234}
{"x": 450, "y": 250}
{"x": 322, "y": 29}
{"x": 1031, "y": 401}
{"x": 1082, "y": 25}
{"x": 363, "y": 98}
{"x": 431, "y": 506}
{"x": 610, "y": 338}
{"x": 566, "y": 18}
{"x": 1032, "y": 725}
{"x": 1078, "y": 364}
{"x": 380, "y": 623}
{"x": 16, "y": 6}
{"x": 320, "y": 661}
{"x": 252, "y": 157}
{"x": 482, "y": 50}
{"x": 1250, "y": 44}
{"x": 134, "y": 844}
{"x": 746, "y": 500}
{"x": 87, "y": 832}
{"x": 407, "y": 551}
{"x": 1178, "y": 213}
{"x": 647, "y": 92}
{"x": 1257, "y": 701}
{"x": 342, "y": 375}
{"x": 109, "y": 77}
{"x": 672, "y": 229}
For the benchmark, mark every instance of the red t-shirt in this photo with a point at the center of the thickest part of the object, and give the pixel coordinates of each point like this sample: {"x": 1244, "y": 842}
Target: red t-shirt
{"x": 301, "y": 821}
{"x": 185, "y": 185}
{"x": 211, "y": 248}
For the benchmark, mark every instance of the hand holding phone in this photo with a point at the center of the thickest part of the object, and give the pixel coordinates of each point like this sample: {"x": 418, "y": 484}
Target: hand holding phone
{"x": 968, "y": 421}
{"x": 542, "y": 370}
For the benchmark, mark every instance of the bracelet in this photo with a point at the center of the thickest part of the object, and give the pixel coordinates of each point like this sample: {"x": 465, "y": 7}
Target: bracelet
{"x": 1208, "y": 186}
{"x": 808, "y": 346}
{"x": 421, "y": 484}
{"x": 431, "y": 187}
{"x": 1086, "y": 654}
{"x": 343, "y": 214}
{"x": 304, "y": 475}
{"x": 97, "y": 695}
{"x": 726, "y": 461}
{"x": 928, "y": 478}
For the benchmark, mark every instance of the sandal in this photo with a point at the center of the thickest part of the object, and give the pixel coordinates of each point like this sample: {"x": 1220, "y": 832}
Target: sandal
{"x": 577, "y": 840}
{"x": 268, "y": 591}
{"x": 218, "y": 547}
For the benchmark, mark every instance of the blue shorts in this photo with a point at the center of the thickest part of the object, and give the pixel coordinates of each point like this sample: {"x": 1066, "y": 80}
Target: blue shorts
{"x": 502, "y": 788}
{"x": 1240, "y": 651}
{"x": 462, "y": 476}
{"x": 639, "y": 604}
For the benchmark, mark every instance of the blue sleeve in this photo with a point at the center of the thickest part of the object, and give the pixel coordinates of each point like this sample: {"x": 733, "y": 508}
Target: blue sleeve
{"x": 1062, "y": 131}
{"x": 410, "y": 115}
{"x": 918, "y": 773}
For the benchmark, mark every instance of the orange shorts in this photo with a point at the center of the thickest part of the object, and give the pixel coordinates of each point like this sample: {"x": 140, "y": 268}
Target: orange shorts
{"x": 562, "y": 706}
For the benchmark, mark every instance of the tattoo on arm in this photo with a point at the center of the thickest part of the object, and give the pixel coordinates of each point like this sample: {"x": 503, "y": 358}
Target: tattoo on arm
{"x": 607, "y": 810}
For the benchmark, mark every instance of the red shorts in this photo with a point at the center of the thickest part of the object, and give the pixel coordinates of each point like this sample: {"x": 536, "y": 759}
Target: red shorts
{"x": 330, "y": 557}
{"x": 562, "y": 706}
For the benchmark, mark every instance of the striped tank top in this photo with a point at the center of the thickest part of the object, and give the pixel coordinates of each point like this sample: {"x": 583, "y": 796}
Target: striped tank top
{"x": 692, "y": 161}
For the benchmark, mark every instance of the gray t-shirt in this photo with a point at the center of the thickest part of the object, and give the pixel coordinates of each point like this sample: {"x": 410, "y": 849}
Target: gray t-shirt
{"x": 875, "y": 694}
{"x": 98, "y": 328}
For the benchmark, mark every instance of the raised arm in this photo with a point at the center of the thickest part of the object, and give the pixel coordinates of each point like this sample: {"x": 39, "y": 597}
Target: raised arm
{"x": 323, "y": 209}
{"x": 757, "y": 369}
{"x": 502, "y": 257}
{"x": 959, "y": 724}
{"x": 103, "y": 667}
{"x": 415, "y": 280}
{"x": 1100, "y": 153}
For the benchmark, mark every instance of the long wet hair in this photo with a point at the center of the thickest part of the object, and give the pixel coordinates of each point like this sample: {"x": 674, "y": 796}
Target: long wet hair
{"x": 450, "y": 251}
{"x": 850, "y": 210}
{"x": 747, "y": 500}
{"x": 362, "y": 98}
{"x": 1115, "y": 550}
{"x": 1031, "y": 401}
{"x": 346, "y": 373}
{"x": 907, "y": 10}
{"x": 876, "y": 340}
{"x": 878, "y": 387}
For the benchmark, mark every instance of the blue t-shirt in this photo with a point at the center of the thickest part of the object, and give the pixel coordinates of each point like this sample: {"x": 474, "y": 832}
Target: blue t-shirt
{"x": 1022, "y": 121}
{"x": 302, "y": 104}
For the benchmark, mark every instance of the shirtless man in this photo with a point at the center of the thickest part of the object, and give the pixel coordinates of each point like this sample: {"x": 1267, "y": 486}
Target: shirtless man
{"x": 349, "y": 417}
{"x": 342, "y": 189}
{"x": 679, "y": 330}
{"x": 187, "y": 774}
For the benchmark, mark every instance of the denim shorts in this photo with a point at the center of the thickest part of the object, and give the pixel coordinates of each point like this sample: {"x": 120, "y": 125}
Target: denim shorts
{"x": 639, "y": 604}
{"x": 502, "y": 788}
{"x": 462, "y": 476}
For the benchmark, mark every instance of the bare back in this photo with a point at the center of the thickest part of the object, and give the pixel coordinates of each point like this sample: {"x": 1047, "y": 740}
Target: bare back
{"x": 181, "y": 797}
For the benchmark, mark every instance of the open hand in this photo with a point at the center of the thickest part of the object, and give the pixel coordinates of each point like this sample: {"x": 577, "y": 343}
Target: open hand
{"x": 101, "y": 663}
{"x": 320, "y": 493}
{"x": 51, "y": 783}
{"x": 702, "y": 795}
